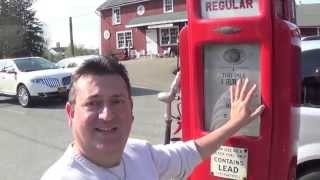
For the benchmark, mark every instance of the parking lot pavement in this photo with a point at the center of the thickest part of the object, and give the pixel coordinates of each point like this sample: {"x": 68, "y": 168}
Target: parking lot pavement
{"x": 149, "y": 76}
{"x": 151, "y": 73}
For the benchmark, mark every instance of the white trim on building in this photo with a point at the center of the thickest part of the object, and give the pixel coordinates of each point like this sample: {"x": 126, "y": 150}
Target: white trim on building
{"x": 169, "y": 36}
{"x": 116, "y": 16}
{"x": 167, "y": 6}
{"x": 124, "y": 39}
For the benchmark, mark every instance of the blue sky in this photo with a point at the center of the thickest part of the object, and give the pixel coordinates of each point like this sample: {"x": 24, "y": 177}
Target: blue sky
{"x": 86, "y": 25}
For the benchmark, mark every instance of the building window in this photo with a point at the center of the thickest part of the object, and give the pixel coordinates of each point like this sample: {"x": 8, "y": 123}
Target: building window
{"x": 124, "y": 39}
{"x": 116, "y": 18}
{"x": 167, "y": 6}
{"x": 169, "y": 36}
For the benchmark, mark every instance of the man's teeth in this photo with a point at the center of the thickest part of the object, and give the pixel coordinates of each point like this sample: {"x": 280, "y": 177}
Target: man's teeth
{"x": 107, "y": 129}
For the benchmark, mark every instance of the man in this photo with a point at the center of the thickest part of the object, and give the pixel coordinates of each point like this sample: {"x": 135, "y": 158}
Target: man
{"x": 100, "y": 115}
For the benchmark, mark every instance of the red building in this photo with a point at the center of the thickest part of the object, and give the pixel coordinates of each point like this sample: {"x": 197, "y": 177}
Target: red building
{"x": 141, "y": 27}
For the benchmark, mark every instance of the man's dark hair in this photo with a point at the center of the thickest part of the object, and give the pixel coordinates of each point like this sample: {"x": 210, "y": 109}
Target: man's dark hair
{"x": 99, "y": 66}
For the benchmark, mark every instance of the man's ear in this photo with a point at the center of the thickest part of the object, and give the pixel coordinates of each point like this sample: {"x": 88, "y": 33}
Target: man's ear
{"x": 131, "y": 103}
{"x": 70, "y": 113}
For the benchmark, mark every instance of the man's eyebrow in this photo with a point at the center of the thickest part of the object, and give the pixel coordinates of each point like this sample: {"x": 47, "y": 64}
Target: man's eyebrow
{"x": 94, "y": 96}
{"x": 97, "y": 96}
{"x": 120, "y": 95}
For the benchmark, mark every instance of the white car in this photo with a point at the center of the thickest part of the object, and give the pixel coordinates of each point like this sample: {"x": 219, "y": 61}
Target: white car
{"x": 74, "y": 62}
{"x": 309, "y": 133}
{"x": 31, "y": 78}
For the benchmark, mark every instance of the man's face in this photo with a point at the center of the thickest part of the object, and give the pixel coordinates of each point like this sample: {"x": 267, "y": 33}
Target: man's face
{"x": 101, "y": 117}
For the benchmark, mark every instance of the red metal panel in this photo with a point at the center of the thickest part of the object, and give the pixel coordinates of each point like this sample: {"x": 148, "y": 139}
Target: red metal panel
{"x": 286, "y": 97}
{"x": 185, "y": 90}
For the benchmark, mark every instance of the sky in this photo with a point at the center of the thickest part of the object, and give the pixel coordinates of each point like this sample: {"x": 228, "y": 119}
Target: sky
{"x": 86, "y": 25}
{"x": 307, "y": 1}
{"x": 54, "y": 14}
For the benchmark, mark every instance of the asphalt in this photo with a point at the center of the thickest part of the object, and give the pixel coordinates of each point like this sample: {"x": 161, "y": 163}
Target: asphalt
{"x": 149, "y": 76}
{"x": 151, "y": 73}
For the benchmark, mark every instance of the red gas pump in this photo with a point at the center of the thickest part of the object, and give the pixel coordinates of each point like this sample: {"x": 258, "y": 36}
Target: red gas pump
{"x": 226, "y": 40}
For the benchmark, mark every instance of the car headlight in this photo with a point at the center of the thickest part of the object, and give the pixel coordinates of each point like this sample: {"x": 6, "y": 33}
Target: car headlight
{"x": 37, "y": 81}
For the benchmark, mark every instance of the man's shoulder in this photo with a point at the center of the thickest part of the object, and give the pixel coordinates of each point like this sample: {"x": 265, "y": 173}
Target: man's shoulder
{"x": 59, "y": 171}
{"x": 137, "y": 147}
{"x": 63, "y": 169}
{"x": 62, "y": 174}
{"x": 137, "y": 144}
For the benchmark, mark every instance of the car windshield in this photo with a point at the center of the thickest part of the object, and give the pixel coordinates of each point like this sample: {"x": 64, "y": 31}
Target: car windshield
{"x": 34, "y": 64}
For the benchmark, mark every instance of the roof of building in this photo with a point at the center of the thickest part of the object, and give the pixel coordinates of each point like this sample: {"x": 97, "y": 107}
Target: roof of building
{"x": 57, "y": 50}
{"x": 308, "y": 15}
{"x": 165, "y": 18}
{"x": 115, "y": 3}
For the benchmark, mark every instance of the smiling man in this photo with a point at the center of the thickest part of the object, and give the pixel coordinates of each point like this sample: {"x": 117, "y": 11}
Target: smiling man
{"x": 100, "y": 115}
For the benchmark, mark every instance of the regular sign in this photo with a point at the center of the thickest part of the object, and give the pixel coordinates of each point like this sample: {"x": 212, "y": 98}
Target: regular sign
{"x": 228, "y": 8}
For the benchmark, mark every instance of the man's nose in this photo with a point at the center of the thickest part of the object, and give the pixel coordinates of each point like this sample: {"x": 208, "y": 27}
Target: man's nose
{"x": 106, "y": 113}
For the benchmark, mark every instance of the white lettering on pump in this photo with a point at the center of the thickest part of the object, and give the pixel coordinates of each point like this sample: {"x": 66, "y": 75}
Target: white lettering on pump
{"x": 229, "y": 8}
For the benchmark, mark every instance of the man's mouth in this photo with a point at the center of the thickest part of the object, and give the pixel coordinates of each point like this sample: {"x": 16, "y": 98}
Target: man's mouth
{"x": 107, "y": 130}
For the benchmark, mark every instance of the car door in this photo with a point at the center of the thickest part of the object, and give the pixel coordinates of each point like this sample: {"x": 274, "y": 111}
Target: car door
{"x": 9, "y": 78}
{"x": 2, "y": 75}
{"x": 311, "y": 78}
{"x": 309, "y": 134}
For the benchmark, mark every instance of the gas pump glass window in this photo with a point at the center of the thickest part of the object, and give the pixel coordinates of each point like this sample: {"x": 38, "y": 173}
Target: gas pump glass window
{"x": 229, "y": 8}
{"x": 224, "y": 64}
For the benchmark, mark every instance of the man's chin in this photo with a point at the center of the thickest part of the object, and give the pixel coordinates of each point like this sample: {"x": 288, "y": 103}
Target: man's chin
{"x": 110, "y": 148}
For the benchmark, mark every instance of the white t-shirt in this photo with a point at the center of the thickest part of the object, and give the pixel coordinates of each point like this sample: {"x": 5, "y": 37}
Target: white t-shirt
{"x": 140, "y": 161}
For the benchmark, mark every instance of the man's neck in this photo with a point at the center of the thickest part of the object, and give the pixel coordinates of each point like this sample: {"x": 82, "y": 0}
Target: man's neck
{"x": 103, "y": 160}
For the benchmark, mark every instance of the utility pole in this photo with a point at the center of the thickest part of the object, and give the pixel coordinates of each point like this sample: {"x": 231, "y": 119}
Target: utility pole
{"x": 71, "y": 36}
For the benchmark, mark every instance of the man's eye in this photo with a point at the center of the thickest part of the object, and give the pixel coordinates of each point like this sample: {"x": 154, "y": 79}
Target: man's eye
{"x": 117, "y": 101}
{"x": 93, "y": 103}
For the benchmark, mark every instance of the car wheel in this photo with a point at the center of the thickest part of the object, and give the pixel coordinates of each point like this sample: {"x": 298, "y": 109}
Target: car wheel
{"x": 23, "y": 96}
{"x": 310, "y": 174}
